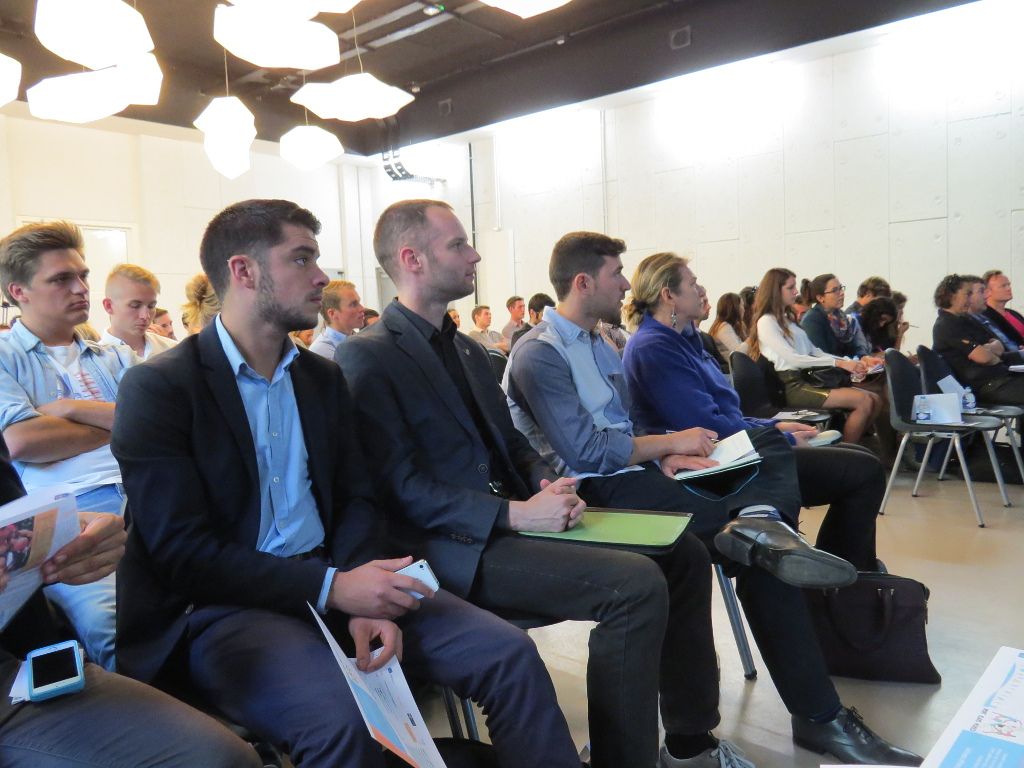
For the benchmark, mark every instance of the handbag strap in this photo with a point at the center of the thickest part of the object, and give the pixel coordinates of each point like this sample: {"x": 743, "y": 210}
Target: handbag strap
{"x": 885, "y": 597}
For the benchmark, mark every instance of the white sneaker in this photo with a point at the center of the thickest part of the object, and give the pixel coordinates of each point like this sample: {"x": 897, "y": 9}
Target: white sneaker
{"x": 725, "y": 755}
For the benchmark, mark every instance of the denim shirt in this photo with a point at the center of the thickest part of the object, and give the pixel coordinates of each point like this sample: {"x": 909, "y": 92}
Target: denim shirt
{"x": 567, "y": 393}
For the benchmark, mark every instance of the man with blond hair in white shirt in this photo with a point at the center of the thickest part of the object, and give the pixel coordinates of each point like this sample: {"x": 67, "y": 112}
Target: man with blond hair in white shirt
{"x": 130, "y": 301}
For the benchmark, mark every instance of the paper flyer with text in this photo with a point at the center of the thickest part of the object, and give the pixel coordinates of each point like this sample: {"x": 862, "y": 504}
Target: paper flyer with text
{"x": 988, "y": 730}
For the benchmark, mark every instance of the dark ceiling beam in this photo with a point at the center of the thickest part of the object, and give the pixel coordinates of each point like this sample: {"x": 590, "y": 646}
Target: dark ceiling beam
{"x": 630, "y": 54}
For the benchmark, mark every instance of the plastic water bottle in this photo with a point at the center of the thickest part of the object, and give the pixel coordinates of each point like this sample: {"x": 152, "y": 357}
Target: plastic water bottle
{"x": 968, "y": 401}
{"x": 922, "y": 411}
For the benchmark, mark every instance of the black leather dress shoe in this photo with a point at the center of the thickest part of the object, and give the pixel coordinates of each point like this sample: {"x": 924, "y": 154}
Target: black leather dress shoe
{"x": 850, "y": 741}
{"x": 775, "y": 547}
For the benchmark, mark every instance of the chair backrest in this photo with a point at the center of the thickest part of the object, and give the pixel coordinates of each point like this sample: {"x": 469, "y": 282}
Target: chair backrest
{"x": 498, "y": 363}
{"x": 933, "y": 368}
{"x": 904, "y": 384}
{"x": 749, "y": 381}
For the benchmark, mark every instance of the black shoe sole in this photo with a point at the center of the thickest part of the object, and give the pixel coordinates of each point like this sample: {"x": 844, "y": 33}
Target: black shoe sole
{"x": 809, "y": 568}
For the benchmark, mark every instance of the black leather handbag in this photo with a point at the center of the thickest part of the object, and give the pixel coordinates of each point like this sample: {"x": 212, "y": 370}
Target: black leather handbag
{"x": 875, "y": 629}
{"x": 827, "y": 378}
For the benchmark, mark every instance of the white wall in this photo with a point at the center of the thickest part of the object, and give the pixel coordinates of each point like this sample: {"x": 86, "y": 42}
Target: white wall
{"x": 897, "y": 152}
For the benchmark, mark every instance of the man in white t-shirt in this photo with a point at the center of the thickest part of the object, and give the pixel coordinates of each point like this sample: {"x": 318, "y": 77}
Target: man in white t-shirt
{"x": 57, "y": 396}
{"x": 130, "y": 300}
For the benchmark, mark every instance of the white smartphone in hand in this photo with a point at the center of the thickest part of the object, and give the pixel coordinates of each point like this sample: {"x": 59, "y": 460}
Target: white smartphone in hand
{"x": 420, "y": 570}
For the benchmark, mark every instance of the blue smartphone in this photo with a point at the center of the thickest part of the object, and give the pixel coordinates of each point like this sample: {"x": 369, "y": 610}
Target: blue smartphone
{"x": 55, "y": 670}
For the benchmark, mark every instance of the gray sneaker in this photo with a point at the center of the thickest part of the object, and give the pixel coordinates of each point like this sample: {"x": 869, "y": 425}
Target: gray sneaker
{"x": 725, "y": 755}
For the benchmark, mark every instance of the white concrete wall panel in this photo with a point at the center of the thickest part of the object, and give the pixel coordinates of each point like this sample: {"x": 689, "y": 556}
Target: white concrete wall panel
{"x": 808, "y": 254}
{"x": 718, "y": 268}
{"x": 675, "y": 210}
{"x": 6, "y": 186}
{"x": 761, "y": 213}
{"x": 636, "y": 212}
{"x": 917, "y": 170}
{"x": 919, "y": 259}
{"x": 1017, "y": 136}
{"x": 809, "y": 112}
{"x": 861, "y": 93}
{"x": 862, "y": 207}
{"x": 810, "y": 188}
{"x": 717, "y": 201}
{"x": 1016, "y": 270}
{"x": 979, "y": 192}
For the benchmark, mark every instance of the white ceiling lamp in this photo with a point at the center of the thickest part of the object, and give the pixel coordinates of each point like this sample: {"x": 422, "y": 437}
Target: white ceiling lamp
{"x": 93, "y": 33}
{"x": 352, "y": 98}
{"x": 79, "y": 98}
{"x": 275, "y": 35}
{"x": 10, "y": 79}
{"x": 142, "y": 79}
{"x": 308, "y": 8}
{"x": 526, "y": 8}
{"x": 229, "y": 130}
{"x": 308, "y": 147}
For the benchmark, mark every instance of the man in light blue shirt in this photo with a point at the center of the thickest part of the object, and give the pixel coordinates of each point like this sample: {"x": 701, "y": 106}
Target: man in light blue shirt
{"x": 342, "y": 312}
{"x": 57, "y": 395}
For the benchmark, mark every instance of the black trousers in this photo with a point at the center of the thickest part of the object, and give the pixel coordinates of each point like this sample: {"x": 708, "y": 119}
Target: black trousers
{"x": 776, "y": 612}
{"x": 1007, "y": 390}
{"x": 653, "y": 633}
{"x": 851, "y": 480}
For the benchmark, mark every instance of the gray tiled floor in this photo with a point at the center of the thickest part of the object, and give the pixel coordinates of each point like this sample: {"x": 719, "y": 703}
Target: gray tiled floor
{"x": 974, "y": 575}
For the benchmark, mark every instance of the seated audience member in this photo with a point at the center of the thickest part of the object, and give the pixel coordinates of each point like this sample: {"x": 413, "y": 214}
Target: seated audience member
{"x": 872, "y": 288}
{"x": 454, "y": 315}
{"x": 458, "y": 481}
{"x": 977, "y": 304}
{"x": 786, "y": 345}
{"x": 114, "y": 720}
{"x": 828, "y": 327}
{"x": 880, "y": 321}
{"x": 517, "y": 318}
{"x": 675, "y": 385}
{"x": 201, "y": 304}
{"x": 57, "y": 396}
{"x": 748, "y": 295}
{"x": 370, "y": 316}
{"x": 253, "y": 500}
{"x": 535, "y": 307}
{"x": 480, "y": 332}
{"x": 567, "y": 395}
{"x": 1000, "y": 293}
{"x": 969, "y": 348}
{"x": 130, "y": 300}
{"x": 706, "y": 339}
{"x": 728, "y": 330}
{"x": 343, "y": 315}
{"x": 163, "y": 323}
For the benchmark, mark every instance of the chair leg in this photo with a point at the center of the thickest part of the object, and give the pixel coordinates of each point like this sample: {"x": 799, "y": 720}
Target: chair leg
{"x": 945, "y": 461}
{"x": 967, "y": 479}
{"x": 1012, "y": 436}
{"x": 895, "y": 469}
{"x": 996, "y": 469}
{"x": 924, "y": 464}
{"x": 732, "y": 607}
{"x": 454, "y": 721}
{"x": 469, "y": 715}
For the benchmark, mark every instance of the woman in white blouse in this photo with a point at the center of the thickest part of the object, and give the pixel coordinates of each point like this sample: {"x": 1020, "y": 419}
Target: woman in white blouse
{"x": 728, "y": 330}
{"x": 786, "y": 345}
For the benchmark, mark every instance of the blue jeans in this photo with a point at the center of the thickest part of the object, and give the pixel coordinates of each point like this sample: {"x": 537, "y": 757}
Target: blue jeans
{"x": 91, "y": 608}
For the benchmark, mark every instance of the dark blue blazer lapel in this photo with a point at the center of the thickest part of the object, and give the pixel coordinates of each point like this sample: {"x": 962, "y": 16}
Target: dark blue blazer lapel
{"x": 221, "y": 381}
{"x": 412, "y": 343}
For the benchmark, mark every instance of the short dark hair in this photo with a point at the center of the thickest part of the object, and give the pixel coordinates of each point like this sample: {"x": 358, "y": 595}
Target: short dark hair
{"x": 579, "y": 252}
{"x": 478, "y": 310}
{"x": 973, "y": 279}
{"x": 876, "y": 285}
{"x": 947, "y": 289}
{"x": 404, "y": 218}
{"x": 512, "y": 300}
{"x": 251, "y": 227}
{"x": 538, "y": 302}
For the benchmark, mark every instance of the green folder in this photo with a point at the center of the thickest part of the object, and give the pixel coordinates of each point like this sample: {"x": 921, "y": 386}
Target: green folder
{"x": 643, "y": 531}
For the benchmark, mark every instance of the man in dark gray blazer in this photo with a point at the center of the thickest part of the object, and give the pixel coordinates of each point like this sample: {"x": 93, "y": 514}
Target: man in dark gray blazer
{"x": 457, "y": 481}
{"x": 249, "y": 500}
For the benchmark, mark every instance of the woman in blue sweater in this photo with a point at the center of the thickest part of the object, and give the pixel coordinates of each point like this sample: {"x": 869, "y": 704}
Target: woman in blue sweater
{"x": 674, "y": 384}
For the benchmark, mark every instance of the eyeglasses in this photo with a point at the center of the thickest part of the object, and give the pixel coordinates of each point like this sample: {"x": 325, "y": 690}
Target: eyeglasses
{"x": 837, "y": 289}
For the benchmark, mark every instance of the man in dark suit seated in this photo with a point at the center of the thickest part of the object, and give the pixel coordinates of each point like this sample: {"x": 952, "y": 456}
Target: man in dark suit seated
{"x": 113, "y": 720}
{"x": 249, "y": 499}
{"x": 460, "y": 481}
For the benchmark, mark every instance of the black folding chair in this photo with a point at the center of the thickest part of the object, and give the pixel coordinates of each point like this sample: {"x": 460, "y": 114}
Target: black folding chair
{"x": 762, "y": 394}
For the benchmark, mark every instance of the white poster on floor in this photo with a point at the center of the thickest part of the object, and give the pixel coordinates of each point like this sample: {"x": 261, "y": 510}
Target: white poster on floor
{"x": 988, "y": 730}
